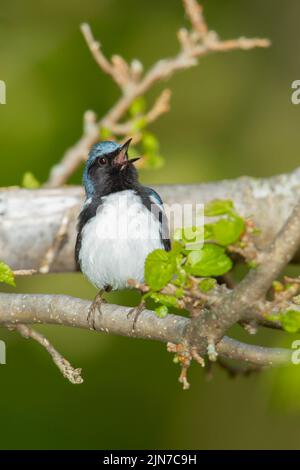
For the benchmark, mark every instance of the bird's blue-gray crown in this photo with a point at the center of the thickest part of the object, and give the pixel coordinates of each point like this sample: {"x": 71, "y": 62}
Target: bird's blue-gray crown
{"x": 115, "y": 167}
{"x": 98, "y": 150}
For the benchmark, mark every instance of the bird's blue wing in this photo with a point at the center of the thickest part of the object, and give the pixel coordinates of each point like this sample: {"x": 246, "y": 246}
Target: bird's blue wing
{"x": 155, "y": 198}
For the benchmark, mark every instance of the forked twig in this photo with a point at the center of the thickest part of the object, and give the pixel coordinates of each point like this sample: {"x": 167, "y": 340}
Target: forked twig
{"x": 68, "y": 371}
{"x": 134, "y": 83}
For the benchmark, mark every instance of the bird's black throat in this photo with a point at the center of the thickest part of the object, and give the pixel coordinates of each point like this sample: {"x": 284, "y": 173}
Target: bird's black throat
{"x": 113, "y": 179}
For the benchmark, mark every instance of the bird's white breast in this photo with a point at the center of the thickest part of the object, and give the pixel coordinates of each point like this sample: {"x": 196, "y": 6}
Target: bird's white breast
{"x": 116, "y": 242}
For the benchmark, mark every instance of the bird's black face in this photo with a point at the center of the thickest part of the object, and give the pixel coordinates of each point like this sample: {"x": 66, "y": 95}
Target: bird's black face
{"x": 112, "y": 171}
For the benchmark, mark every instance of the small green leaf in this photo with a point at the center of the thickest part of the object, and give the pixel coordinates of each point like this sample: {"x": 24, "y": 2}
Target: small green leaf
{"x": 190, "y": 234}
{"x": 160, "y": 267}
{"x": 290, "y": 321}
{"x": 105, "y": 133}
{"x": 252, "y": 264}
{"x": 219, "y": 207}
{"x": 205, "y": 285}
{"x": 29, "y": 181}
{"x": 138, "y": 106}
{"x": 179, "y": 293}
{"x": 256, "y": 231}
{"x": 151, "y": 151}
{"x": 150, "y": 143}
{"x": 208, "y": 232}
{"x": 6, "y": 274}
{"x": 210, "y": 261}
{"x": 154, "y": 161}
{"x": 163, "y": 299}
{"x": 161, "y": 311}
{"x": 296, "y": 299}
{"x": 177, "y": 248}
{"x": 139, "y": 124}
{"x": 277, "y": 286}
{"x": 288, "y": 286}
{"x": 178, "y": 234}
{"x": 228, "y": 231}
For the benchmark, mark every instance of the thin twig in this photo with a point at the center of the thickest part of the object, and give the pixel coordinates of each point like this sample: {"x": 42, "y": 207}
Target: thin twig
{"x": 73, "y": 375}
{"x": 133, "y": 83}
{"x": 160, "y": 106}
{"x": 118, "y": 70}
{"x": 25, "y": 272}
{"x": 195, "y": 13}
{"x": 59, "y": 240}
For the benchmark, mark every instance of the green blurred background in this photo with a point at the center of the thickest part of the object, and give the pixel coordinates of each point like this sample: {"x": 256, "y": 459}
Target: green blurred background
{"x": 231, "y": 115}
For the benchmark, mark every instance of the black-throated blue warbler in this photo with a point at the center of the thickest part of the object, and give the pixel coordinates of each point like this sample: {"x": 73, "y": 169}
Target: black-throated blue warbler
{"x": 121, "y": 222}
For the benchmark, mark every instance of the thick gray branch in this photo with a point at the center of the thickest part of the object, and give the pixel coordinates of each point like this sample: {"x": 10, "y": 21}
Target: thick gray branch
{"x": 31, "y": 220}
{"x": 259, "y": 355}
{"x": 70, "y": 311}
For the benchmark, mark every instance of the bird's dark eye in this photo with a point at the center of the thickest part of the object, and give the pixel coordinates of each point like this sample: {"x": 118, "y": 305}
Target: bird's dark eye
{"x": 102, "y": 161}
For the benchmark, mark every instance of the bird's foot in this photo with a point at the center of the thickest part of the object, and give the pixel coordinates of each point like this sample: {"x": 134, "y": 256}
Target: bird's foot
{"x": 95, "y": 309}
{"x": 135, "y": 313}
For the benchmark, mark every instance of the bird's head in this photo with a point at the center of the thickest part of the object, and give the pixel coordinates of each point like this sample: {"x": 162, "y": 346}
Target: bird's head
{"x": 108, "y": 169}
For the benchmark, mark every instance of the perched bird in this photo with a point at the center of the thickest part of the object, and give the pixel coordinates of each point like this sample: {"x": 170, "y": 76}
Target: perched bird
{"x": 121, "y": 222}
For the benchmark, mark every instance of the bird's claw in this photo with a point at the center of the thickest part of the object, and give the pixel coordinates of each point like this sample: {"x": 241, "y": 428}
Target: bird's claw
{"x": 94, "y": 308}
{"x": 135, "y": 313}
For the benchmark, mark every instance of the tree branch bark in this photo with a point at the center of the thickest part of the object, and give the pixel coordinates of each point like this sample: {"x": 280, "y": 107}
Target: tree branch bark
{"x": 31, "y": 220}
{"x": 71, "y": 311}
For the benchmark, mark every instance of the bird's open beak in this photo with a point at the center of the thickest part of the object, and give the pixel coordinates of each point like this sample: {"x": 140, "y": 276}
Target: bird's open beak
{"x": 132, "y": 160}
{"x": 121, "y": 158}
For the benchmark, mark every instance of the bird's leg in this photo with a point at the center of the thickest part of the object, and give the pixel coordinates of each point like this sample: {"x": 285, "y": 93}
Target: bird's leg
{"x": 135, "y": 313}
{"x": 96, "y": 306}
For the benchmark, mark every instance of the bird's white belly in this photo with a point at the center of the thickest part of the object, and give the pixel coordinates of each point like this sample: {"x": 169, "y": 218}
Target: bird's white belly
{"x": 116, "y": 242}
